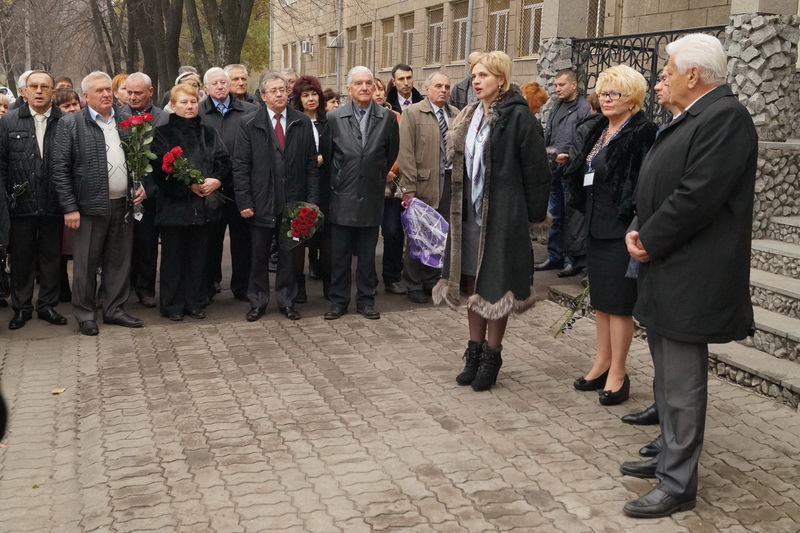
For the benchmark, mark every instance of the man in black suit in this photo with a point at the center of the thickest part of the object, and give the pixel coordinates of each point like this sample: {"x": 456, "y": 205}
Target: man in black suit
{"x": 145, "y": 232}
{"x": 359, "y": 145}
{"x": 695, "y": 210}
{"x": 274, "y": 164}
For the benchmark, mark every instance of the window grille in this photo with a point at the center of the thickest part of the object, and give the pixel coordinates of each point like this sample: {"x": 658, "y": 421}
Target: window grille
{"x": 458, "y": 31}
{"x": 387, "y": 50}
{"x": 331, "y": 53}
{"x": 367, "y": 45}
{"x": 285, "y": 56}
{"x": 530, "y": 35}
{"x": 433, "y": 51}
{"x": 497, "y": 31}
{"x": 352, "y": 45}
{"x": 407, "y": 44}
{"x": 596, "y": 18}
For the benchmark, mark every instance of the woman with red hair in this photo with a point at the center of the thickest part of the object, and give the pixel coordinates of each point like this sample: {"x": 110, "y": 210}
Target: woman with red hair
{"x": 535, "y": 95}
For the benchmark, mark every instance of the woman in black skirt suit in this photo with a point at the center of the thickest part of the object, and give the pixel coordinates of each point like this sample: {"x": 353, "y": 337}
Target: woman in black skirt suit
{"x": 603, "y": 178}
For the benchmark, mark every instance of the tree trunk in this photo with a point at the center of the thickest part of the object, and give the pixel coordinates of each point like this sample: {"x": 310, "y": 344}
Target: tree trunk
{"x": 132, "y": 57}
{"x": 198, "y": 46}
{"x": 97, "y": 27}
{"x": 174, "y": 21}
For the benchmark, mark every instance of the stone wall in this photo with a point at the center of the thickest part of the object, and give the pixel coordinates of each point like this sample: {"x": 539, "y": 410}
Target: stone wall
{"x": 762, "y": 53}
{"x": 777, "y": 184}
{"x": 554, "y": 54}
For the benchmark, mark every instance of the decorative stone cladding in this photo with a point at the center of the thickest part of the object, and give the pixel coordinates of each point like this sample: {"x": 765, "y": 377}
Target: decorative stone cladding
{"x": 777, "y": 185}
{"x": 554, "y": 54}
{"x": 762, "y": 57}
{"x": 775, "y": 263}
{"x": 785, "y": 233}
{"x": 753, "y": 382}
{"x": 772, "y": 301}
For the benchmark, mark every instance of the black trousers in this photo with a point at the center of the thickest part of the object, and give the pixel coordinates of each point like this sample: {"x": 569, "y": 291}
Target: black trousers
{"x": 285, "y": 277}
{"x": 35, "y": 248}
{"x": 347, "y": 241}
{"x": 681, "y": 388}
{"x": 145, "y": 251}
{"x": 184, "y": 250}
{"x": 393, "y": 239}
{"x": 239, "y": 230}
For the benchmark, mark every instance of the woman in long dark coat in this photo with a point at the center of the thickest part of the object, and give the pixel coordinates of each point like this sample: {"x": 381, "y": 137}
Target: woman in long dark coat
{"x": 500, "y": 184}
{"x": 603, "y": 178}
{"x": 183, "y": 212}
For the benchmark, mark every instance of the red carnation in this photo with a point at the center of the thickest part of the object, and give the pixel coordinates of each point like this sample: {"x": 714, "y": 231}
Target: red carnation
{"x": 177, "y": 151}
{"x": 295, "y": 233}
{"x": 147, "y": 117}
{"x": 135, "y": 120}
{"x": 125, "y": 124}
{"x": 168, "y": 158}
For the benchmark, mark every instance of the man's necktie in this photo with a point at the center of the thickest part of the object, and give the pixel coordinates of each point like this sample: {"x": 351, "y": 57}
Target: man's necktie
{"x": 279, "y": 130}
{"x": 41, "y": 125}
{"x": 221, "y": 108}
{"x": 407, "y": 103}
{"x": 443, "y": 143}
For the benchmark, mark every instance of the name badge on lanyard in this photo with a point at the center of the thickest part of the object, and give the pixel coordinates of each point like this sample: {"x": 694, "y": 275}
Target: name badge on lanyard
{"x": 588, "y": 178}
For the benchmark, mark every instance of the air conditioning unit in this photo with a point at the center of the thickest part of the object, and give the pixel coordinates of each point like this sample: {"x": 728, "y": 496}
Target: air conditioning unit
{"x": 336, "y": 42}
{"x": 307, "y": 47}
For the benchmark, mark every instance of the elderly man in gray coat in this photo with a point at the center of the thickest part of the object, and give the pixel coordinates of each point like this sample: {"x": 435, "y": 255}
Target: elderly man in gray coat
{"x": 695, "y": 210}
{"x": 359, "y": 146}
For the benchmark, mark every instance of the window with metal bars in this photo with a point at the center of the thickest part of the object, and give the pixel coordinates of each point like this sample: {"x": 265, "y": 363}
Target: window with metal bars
{"x": 323, "y": 66}
{"x": 331, "y": 54}
{"x": 285, "y": 59}
{"x": 433, "y": 50}
{"x": 387, "y": 48}
{"x": 530, "y": 31}
{"x": 596, "y": 18}
{"x": 497, "y": 30}
{"x": 367, "y": 45}
{"x": 458, "y": 31}
{"x": 352, "y": 46}
{"x": 407, "y": 43}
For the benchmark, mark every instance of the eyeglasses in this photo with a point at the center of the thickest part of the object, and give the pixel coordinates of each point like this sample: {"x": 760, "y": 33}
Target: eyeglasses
{"x": 36, "y": 87}
{"x": 280, "y": 90}
{"x": 611, "y": 95}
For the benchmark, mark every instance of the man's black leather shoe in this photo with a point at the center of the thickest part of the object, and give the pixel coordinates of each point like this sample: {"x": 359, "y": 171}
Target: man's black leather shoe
{"x": 369, "y": 312}
{"x": 657, "y": 504}
{"x": 19, "y": 319}
{"x": 570, "y": 270}
{"x": 290, "y": 313}
{"x": 396, "y": 288}
{"x": 255, "y": 313}
{"x": 175, "y": 317}
{"x": 335, "y": 312}
{"x": 88, "y": 327}
{"x": 648, "y": 417}
{"x": 641, "y": 469}
{"x": 48, "y": 314}
{"x": 651, "y": 449}
{"x": 549, "y": 265}
{"x": 125, "y": 320}
{"x": 418, "y": 297}
{"x": 197, "y": 314}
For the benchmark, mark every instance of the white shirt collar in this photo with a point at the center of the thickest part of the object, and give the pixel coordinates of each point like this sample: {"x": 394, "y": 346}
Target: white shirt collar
{"x": 695, "y": 101}
{"x": 94, "y": 114}
{"x": 272, "y": 115}
{"x": 45, "y": 114}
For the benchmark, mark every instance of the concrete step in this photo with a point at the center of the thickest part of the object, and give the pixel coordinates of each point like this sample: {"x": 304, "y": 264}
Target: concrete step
{"x": 786, "y": 229}
{"x": 774, "y": 292}
{"x": 776, "y": 334}
{"x": 775, "y": 256}
{"x": 768, "y": 363}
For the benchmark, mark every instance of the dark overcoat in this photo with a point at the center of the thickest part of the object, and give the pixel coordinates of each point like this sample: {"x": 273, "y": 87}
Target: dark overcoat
{"x": 694, "y": 216}
{"x": 254, "y": 172}
{"x": 357, "y": 175}
{"x": 515, "y": 193}
{"x": 176, "y": 204}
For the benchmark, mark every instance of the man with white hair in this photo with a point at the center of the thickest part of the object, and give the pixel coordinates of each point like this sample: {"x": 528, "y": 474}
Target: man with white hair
{"x": 463, "y": 93}
{"x": 94, "y": 189}
{"x": 22, "y": 82}
{"x": 239, "y": 79}
{"x": 225, "y": 114}
{"x": 695, "y": 208}
{"x": 359, "y": 146}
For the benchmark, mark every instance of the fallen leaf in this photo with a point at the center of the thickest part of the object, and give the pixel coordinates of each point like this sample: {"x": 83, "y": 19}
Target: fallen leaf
{"x": 35, "y": 486}
{"x": 57, "y": 391}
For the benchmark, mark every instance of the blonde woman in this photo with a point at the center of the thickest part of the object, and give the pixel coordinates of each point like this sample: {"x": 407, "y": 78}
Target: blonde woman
{"x": 500, "y": 183}
{"x": 603, "y": 179}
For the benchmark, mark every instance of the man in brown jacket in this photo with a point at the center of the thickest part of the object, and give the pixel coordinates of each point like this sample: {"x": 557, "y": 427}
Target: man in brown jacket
{"x": 424, "y": 170}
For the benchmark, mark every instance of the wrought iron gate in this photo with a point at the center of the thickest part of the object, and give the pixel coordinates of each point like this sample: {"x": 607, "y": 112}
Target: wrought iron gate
{"x": 644, "y": 52}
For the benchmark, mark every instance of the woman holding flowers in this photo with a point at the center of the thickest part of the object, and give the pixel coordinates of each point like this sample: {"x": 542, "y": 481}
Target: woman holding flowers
{"x": 192, "y": 163}
{"x": 500, "y": 184}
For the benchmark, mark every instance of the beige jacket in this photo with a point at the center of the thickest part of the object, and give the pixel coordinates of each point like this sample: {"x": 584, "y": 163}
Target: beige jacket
{"x": 418, "y": 159}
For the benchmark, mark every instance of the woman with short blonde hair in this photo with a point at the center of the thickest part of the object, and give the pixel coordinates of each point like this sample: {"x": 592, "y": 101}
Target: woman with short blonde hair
{"x": 603, "y": 177}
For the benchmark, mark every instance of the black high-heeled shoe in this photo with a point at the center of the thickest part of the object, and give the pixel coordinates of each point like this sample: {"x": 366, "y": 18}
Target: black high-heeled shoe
{"x": 616, "y": 397}
{"x": 591, "y": 384}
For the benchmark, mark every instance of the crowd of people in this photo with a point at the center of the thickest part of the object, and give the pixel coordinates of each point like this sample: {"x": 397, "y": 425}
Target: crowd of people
{"x": 647, "y": 211}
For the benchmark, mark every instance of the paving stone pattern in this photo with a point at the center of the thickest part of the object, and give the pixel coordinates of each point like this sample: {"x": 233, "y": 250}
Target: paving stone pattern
{"x": 357, "y": 425}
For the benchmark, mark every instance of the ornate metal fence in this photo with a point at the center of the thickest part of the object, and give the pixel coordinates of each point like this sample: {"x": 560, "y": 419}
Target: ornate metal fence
{"x": 644, "y": 52}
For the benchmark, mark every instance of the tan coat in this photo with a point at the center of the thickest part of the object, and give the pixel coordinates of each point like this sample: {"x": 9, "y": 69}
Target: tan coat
{"x": 420, "y": 147}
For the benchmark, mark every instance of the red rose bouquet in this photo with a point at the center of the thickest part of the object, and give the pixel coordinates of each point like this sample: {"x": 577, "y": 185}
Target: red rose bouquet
{"x": 137, "y": 151}
{"x": 177, "y": 167}
{"x": 301, "y": 221}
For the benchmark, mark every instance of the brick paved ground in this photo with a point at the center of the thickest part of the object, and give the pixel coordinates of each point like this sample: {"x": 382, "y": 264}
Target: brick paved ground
{"x": 355, "y": 425}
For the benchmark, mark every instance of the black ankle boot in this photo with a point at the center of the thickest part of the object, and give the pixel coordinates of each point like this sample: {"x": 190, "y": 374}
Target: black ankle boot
{"x": 472, "y": 358}
{"x": 488, "y": 369}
